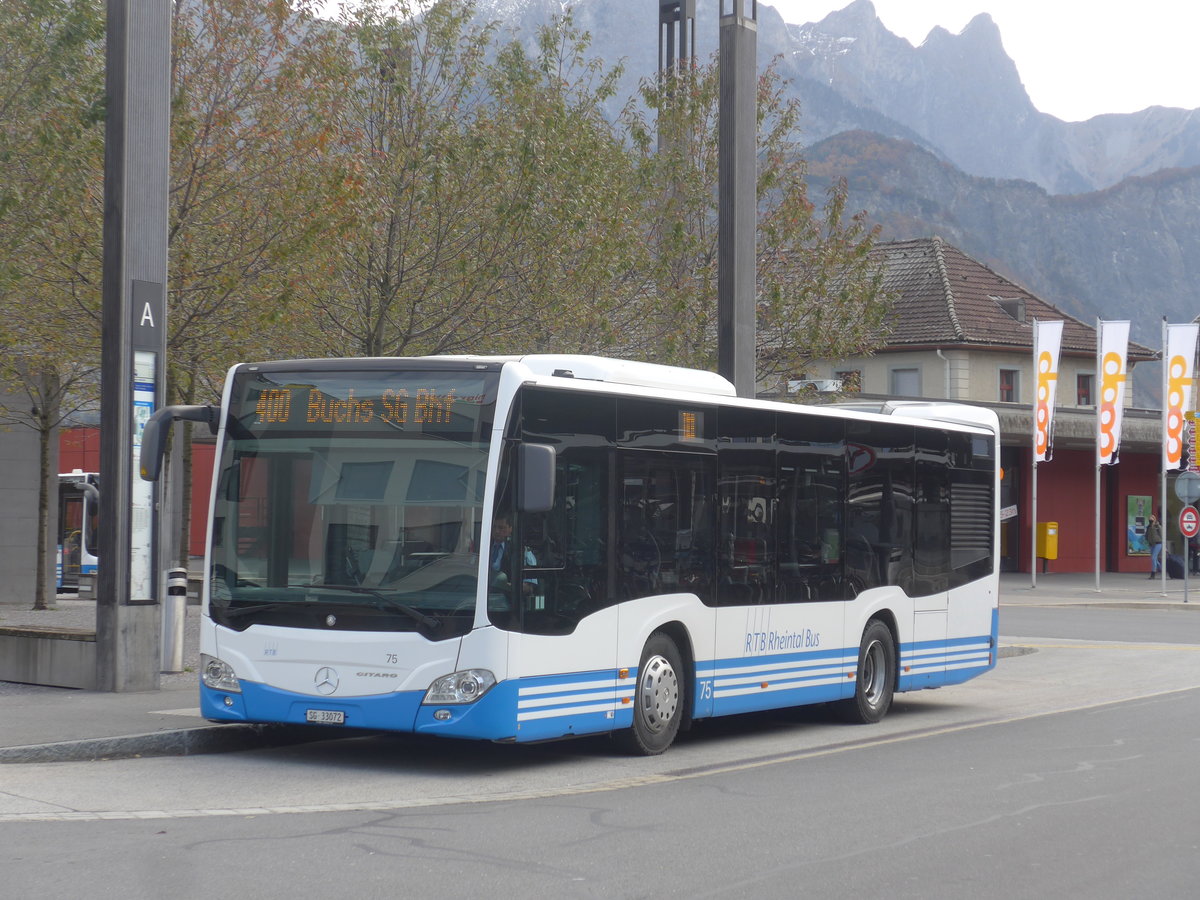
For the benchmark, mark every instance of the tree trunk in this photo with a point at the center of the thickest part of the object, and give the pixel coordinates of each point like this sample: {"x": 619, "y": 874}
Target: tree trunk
{"x": 187, "y": 396}
{"x": 41, "y": 589}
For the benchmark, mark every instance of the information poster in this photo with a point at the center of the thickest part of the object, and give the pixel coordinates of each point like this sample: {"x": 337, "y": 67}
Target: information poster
{"x": 141, "y": 500}
{"x": 1137, "y": 518}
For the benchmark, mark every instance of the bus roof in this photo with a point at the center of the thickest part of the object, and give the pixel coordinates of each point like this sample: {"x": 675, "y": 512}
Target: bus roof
{"x": 617, "y": 371}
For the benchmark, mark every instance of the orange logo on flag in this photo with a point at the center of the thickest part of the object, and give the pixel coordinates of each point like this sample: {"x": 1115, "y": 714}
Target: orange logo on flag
{"x": 1177, "y": 383}
{"x": 1110, "y": 384}
{"x": 1045, "y": 376}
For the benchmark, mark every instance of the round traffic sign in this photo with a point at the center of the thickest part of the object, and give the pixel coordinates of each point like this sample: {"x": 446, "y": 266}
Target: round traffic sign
{"x": 1189, "y": 521}
{"x": 1187, "y": 487}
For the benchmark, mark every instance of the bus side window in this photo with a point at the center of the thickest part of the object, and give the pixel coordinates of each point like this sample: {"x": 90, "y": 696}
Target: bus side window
{"x": 931, "y": 545}
{"x": 809, "y": 527}
{"x": 570, "y": 543}
{"x": 746, "y": 493}
{"x": 879, "y": 508}
{"x": 665, "y": 524}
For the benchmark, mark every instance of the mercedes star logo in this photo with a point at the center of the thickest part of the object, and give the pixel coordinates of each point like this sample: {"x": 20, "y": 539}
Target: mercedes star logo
{"x": 326, "y": 680}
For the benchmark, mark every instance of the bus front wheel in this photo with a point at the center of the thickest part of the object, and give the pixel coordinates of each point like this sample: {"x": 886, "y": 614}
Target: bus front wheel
{"x": 875, "y": 682}
{"x": 658, "y": 698}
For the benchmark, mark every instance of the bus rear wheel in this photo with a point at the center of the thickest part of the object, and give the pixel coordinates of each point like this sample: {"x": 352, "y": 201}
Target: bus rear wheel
{"x": 875, "y": 682}
{"x": 658, "y": 698}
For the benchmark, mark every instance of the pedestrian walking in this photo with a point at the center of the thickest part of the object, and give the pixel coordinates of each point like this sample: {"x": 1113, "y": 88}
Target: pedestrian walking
{"x": 1154, "y": 538}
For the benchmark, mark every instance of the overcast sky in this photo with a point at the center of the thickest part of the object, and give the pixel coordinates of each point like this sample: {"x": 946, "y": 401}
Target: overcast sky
{"x": 1077, "y": 58}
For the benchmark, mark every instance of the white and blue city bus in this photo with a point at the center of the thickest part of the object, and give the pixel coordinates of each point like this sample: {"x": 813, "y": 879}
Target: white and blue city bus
{"x": 523, "y": 549}
{"x": 78, "y": 528}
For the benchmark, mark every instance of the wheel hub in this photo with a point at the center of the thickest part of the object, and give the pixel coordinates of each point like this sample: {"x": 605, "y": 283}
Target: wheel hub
{"x": 659, "y": 694}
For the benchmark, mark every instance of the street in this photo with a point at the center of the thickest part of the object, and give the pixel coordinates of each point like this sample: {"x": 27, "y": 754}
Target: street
{"x": 1071, "y": 768}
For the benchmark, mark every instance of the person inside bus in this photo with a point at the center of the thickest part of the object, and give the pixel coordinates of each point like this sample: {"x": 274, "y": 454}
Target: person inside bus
{"x": 500, "y": 556}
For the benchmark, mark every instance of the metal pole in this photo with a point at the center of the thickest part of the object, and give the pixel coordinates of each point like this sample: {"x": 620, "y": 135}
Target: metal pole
{"x": 1098, "y": 515}
{"x": 1033, "y": 455}
{"x": 136, "y": 180}
{"x": 1187, "y": 563}
{"x": 173, "y": 620}
{"x": 737, "y": 194}
{"x": 1162, "y": 507}
{"x": 1033, "y": 526}
{"x": 676, "y": 52}
{"x": 1099, "y": 376}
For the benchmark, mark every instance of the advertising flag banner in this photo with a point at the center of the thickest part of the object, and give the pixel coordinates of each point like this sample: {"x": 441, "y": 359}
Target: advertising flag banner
{"x": 1047, "y": 339}
{"x": 1179, "y": 369}
{"x": 1112, "y": 360}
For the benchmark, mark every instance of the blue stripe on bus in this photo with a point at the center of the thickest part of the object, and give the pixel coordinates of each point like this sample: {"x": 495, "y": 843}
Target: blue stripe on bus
{"x": 262, "y": 703}
{"x": 782, "y": 694}
{"x": 751, "y": 683}
{"x": 803, "y": 657}
{"x": 574, "y": 703}
{"x": 926, "y": 664}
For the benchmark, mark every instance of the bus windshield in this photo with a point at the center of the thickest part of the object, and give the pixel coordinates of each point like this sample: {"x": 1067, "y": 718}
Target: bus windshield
{"x": 351, "y": 499}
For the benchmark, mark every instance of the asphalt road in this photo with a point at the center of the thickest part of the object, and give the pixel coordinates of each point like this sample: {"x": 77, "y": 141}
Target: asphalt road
{"x": 1070, "y": 770}
{"x": 1175, "y": 625}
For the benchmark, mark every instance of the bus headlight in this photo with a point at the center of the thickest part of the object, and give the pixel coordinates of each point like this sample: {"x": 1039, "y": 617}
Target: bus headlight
{"x": 218, "y": 674}
{"x": 460, "y": 687}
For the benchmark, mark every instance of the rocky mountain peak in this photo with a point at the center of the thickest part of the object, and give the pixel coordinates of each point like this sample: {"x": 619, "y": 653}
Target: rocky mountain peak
{"x": 958, "y": 95}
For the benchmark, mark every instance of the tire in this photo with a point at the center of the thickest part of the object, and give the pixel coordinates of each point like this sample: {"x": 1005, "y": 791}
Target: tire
{"x": 875, "y": 682}
{"x": 658, "y": 699}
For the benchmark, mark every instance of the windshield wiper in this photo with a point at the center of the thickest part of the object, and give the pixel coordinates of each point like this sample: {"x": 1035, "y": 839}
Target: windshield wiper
{"x": 385, "y": 602}
{"x": 233, "y": 613}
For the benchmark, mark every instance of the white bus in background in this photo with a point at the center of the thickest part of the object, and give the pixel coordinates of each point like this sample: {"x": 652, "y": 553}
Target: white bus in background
{"x": 521, "y": 549}
{"x": 78, "y": 518}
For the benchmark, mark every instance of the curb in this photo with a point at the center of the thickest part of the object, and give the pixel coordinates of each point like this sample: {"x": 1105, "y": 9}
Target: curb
{"x": 1047, "y": 603}
{"x": 182, "y": 742}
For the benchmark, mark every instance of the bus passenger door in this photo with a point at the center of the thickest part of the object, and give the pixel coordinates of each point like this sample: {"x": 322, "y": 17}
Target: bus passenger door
{"x": 559, "y": 579}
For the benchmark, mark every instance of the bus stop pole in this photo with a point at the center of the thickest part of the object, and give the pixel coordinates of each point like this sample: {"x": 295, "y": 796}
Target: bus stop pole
{"x": 133, "y": 351}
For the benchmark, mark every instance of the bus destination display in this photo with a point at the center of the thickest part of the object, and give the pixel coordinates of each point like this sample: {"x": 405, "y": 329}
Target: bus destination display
{"x": 393, "y": 407}
{"x": 367, "y": 401}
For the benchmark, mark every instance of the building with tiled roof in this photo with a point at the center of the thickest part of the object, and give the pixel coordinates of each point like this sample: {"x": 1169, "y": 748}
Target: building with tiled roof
{"x": 958, "y": 330}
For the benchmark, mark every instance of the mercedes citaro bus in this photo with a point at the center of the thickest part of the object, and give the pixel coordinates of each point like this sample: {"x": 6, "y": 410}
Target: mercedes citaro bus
{"x": 537, "y": 547}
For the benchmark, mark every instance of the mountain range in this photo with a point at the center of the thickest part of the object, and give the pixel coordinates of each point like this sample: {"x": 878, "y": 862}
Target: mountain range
{"x": 1097, "y": 217}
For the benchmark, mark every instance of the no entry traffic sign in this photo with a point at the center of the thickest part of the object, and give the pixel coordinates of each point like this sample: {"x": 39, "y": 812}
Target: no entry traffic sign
{"x": 1189, "y": 521}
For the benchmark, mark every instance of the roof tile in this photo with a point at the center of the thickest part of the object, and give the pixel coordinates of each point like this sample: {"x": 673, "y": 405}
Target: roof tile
{"x": 942, "y": 296}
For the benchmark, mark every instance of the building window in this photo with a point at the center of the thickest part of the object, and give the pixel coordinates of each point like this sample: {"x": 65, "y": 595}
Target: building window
{"x": 905, "y": 382}
{"x": 1085, "y": 384}
{"x": 1010, "y": 385}
{"x": 851, "y": 380}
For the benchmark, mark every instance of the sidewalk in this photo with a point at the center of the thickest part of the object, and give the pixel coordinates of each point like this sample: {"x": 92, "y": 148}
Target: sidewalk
{"x": 1116, "y": 590}
{"x": 47, "y": 724}
{"x": 51, "y": 724}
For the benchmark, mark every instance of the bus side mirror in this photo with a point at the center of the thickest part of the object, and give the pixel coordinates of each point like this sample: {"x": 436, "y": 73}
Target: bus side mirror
{"x": 535, "y": 471}
{"x": 158, "y": 427}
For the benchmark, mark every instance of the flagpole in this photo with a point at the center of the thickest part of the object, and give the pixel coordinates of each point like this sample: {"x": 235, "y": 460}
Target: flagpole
{"x": 1033, "y": 458}
{"x": 1033, "y": 530}
{"x": 1047, "y": 342}
{"x": 1162, "y": 479}
{"x": 1097, "y": 382}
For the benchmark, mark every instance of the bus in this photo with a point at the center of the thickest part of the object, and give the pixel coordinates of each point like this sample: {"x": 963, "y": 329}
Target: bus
{"x": 78, "y": 515}
{"x": 540, "y": 547}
